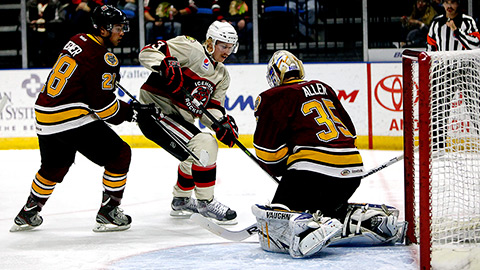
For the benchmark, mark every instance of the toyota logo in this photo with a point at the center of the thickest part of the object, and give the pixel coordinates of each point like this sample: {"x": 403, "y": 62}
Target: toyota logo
{"x": 389, "y": 93}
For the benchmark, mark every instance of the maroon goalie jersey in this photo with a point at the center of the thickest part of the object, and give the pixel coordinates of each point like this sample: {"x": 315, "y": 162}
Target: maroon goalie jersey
{"x": 302, "y": 125}
{"x": 80, "y": 88}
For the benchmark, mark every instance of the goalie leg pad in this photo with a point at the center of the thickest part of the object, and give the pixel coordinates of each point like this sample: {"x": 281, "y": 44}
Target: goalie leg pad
{"x": 372, "y": 224}
{"x": 311, "y": 234}
{"x": 274, "y": 232}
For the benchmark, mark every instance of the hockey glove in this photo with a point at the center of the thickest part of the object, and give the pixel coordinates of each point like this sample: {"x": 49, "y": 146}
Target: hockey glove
{"x": 144, "y": 111}
{"x": 227, "y": 132}
{"x": 170, "y": 70}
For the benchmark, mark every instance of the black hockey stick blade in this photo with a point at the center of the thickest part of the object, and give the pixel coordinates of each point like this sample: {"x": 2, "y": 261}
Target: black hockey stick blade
{"x": 221, "y": 231}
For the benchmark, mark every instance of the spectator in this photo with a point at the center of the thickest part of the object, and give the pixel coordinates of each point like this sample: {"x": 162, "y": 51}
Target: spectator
{"x": 77, "y": 15}
{"x": 417, "y": 24}
{"x": 239, "y": 14}
{"x": 196, "y": 25}
{"x": 164, "y": 19}
{"x": 129, "y": 7}
{"x": 44, "y": 28}
{"x": 307, "y": 12}
{"x": 438, "y": 6}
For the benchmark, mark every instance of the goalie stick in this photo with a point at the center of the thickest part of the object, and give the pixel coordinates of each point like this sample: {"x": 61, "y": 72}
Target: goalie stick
{"x": 164, "y": 128}
{"x": 221, "y": 231}
{"x": 215, "y": 122}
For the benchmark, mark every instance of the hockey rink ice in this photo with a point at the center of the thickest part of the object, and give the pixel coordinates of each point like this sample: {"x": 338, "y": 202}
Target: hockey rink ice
{"x": 156, "y": 241}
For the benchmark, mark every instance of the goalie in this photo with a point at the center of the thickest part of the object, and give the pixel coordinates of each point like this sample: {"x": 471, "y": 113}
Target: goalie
{"x": 304, "y": 134}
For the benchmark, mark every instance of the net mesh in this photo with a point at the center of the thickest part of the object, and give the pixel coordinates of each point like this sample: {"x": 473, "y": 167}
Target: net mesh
{"x": 455, "y": 147}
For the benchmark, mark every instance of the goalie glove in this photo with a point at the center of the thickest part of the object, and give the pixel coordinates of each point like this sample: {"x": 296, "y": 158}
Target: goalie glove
{"x": 227, "y": 132}
{"x": 144, "y": 111}
{"x": 170, "y": 70}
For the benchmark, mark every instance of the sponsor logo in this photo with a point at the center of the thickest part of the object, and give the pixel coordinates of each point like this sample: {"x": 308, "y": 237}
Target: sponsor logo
{"x": 277, "y": 215}
{"x": 206, "y": 63}
{"x": 389, "y": 93}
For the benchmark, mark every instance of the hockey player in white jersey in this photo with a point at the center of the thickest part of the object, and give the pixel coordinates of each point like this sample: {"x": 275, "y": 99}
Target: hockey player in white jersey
{"x": 304, "y": 135}
{"x": 183, "y": 64}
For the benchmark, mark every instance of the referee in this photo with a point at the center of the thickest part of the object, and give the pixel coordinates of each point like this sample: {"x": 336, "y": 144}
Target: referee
{"x": 453, "y": 31}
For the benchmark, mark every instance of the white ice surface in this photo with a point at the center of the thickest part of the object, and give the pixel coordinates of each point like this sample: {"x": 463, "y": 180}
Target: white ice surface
{"x": 156, "y": 241}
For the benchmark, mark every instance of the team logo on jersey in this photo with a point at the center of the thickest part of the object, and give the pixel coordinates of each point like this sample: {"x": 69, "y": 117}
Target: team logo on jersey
{"x": 111, "y": 59}
{"x": 201, "y": 92}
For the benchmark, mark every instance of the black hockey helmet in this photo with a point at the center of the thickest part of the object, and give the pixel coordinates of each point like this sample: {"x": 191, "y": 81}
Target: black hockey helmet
{"x": 107, "y": 16}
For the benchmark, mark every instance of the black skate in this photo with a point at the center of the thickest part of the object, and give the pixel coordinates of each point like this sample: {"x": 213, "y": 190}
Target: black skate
{"x": 28, "y": 218}
{"x": 111, "y": 218}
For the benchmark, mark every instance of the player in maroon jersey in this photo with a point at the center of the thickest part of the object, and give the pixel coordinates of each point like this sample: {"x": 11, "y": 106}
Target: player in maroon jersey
{"x": 71, "y": 110}
{"x": 304, "y": 135}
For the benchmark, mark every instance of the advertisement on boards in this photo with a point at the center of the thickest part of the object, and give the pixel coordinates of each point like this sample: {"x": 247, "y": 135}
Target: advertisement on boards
{"x": 371, "y": 93}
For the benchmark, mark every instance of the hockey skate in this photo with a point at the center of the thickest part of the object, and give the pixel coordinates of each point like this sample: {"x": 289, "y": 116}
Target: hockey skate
{"x": 111, "y": 218}
{"x": 217, "y": 211}
{"x": 183, "y": 207}
{"x": 312, "y": 233}
{"x": 28, "y": 218}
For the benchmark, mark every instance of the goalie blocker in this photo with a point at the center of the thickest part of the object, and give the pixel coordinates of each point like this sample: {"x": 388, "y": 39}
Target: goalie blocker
{"x": 303, "y": 234}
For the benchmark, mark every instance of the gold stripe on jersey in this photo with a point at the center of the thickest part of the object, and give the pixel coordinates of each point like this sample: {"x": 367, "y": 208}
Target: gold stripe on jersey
{"x": 42, "y": 187}
{"x": 114, "y": 181}
{"x": 339, "y": 162}
{"x": 109, "y": 110}
{"x": 269, "y": 155}
{"x": 334, "y": 159}
{"x": 56, "y": 117}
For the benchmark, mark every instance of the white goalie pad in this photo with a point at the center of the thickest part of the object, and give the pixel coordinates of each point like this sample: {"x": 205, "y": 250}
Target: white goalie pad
{"x": 371, "y": 225}
{"x": 274, "y": 233}
{"x": 299, "y": 234}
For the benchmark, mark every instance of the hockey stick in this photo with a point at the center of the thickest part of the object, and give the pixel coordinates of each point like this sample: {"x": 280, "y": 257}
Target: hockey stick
{"x": 383, "y": 166}
{"x": 216, "y": 123}
{"x": 386, "y": 164}
{"x": 3, "y": 102}
{"x": 163, "y": 126}
{"x": 222, "y": 232}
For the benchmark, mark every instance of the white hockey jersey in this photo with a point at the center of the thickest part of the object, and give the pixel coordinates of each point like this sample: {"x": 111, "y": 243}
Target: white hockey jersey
{"x": 206, "y": 80}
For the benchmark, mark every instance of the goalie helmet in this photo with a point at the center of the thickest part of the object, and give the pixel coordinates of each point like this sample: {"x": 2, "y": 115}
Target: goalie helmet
{"x": 223, "y": 31}
{"x": 107, "y": 16}
{"x": 283, "y": 62}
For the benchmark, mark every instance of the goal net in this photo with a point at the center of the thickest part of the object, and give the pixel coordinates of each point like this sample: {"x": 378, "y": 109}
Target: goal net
{"x": 442, "y": 153}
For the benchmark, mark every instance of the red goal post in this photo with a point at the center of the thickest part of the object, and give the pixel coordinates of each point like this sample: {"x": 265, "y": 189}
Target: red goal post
{"x": 441, "y": 110}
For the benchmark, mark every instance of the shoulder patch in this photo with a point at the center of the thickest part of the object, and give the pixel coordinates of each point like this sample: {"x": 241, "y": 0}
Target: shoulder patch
{"x": 192, "y": 39}
{"x": 111, "y": 59}
{"x": 257, "y": 103}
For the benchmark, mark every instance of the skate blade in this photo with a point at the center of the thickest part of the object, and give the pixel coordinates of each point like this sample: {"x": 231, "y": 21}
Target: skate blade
{"x": 20, "y": 228}
{"x": 100, "y": 227}
{"x": 181, "y": 213}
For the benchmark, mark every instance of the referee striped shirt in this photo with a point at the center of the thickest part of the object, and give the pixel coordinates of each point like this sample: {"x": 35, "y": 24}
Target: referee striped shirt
{"x": 442, "y": 38}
